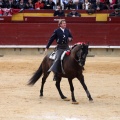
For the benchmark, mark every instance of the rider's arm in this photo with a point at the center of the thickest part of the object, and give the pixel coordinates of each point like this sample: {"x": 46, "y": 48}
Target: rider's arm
{"x": 52, "y": 38}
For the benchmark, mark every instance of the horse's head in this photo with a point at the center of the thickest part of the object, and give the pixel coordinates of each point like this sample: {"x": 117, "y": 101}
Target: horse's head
{"x": 80, "y": 51}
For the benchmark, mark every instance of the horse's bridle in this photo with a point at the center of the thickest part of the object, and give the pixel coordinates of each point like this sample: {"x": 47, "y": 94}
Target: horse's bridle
{"x": 81, "y": 56}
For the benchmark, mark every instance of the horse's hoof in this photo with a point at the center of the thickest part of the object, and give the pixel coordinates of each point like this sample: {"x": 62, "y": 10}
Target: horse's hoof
{"x": 91, "y": 100}
{"x": 41, "y": 95}
{"x": 75, "y": 102}
{"x": 66, "y": 99}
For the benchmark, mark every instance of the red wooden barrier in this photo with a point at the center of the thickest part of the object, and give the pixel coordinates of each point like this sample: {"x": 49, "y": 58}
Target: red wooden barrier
{"x": 4, "y": 19}
{"x": 113, "y": 19}
{"x": 39, "y": 33}
{"x": 28, "y": 19}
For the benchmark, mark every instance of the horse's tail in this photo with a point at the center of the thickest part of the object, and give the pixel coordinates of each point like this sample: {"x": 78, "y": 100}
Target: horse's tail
{"x": 36, "y": 76}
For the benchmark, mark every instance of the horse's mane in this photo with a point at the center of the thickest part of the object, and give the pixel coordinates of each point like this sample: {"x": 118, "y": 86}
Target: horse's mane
{"x": 79, "y": 43}
{"x": 76, "y": 47}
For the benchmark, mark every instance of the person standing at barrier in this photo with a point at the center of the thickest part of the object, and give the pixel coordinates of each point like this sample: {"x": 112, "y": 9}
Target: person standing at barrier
{"x": 73, "y": 13}
{"x": 62, "y": 36}
{"x": 115, "y": 13}
{"x": 59, "y": 12}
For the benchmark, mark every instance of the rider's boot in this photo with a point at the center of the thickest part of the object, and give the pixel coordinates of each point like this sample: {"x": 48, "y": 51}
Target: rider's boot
{"x": 55, "y": 77}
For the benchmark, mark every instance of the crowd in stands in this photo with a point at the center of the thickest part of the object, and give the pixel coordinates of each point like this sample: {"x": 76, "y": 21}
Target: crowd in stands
{"x": 66, "y": 4}
{"x": 63, "y": 4}
{"x": 59, "y": 12}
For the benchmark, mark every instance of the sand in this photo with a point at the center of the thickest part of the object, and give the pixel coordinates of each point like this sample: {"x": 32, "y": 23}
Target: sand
{"x": 18, "y": 101}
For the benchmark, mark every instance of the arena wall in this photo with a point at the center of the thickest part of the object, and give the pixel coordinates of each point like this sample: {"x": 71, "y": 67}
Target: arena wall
{"x": 97, "y": 34}
{"x": 30, "y": 35}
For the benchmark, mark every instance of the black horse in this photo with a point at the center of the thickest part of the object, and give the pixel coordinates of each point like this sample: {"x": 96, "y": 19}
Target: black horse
{"x": 73, "y": 68}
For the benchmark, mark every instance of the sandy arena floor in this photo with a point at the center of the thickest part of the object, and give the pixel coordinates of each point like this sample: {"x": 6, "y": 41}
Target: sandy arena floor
{"x": 21, "y": 102}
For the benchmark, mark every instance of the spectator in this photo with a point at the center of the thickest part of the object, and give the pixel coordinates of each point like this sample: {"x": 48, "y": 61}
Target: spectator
{"x": 70, "y": 5}
{"x": 29, "y": 5}
{"x": 50, "y": 4}
{"x": 78, "y": 4}
{"x": 98, "y": 5}
{"x": 115, "y": 13}
{"x": 1, "y": 4}
{"x": 58, "y": 4}
{"x": 112, "y": 3}
{"x": 74, "y": 13}
{"x": 92, "y": 1}
{"x": 86, "y": 5}
{"x": 15, "y": 4}
{"x": 0, "y": 11}
{"x": 59, "y": 12}
{"x": 9, "y": 4}
{"x": 21, "y": 5}
{"x": 39, "y": 5}
{"x": 117, "y": 5}
{"x": 105, "y": 3}
{"x": 65, "y": 3}
{"x": 6, "y": 12}
{"x": 81, "y": 2}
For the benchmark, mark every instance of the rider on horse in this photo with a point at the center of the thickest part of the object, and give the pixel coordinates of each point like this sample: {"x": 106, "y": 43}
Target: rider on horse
{"x": 62, "y": 37}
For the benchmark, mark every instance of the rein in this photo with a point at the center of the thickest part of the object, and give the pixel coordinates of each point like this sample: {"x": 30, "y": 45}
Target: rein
{"x": 79, "y": 60}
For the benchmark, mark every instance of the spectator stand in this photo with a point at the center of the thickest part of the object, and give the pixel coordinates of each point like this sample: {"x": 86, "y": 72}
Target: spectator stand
{"x": 101, "y": 16}
{"x": 49, "y": 13}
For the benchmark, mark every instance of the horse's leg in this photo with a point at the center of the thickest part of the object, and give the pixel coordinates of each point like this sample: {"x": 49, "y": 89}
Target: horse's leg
{"x": 59, "y": 89}
{"x": 72, "y": 91}
{"x": 85, "y": 87}
{"x": 43, "y": 82}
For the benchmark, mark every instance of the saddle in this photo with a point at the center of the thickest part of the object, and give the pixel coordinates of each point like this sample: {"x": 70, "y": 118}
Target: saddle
{"x": 53, "y": 54}
{"x": 65, "y": 53}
